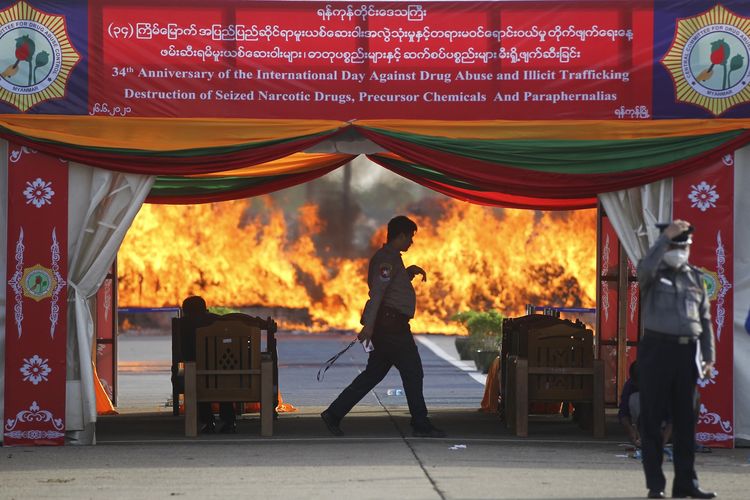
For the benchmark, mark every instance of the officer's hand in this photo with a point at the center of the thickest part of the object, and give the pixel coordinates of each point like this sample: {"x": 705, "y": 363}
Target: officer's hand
{"x": 708, "y": 369}
{"x": 415, "y": 270}
{"x": 676, "y": 227}
{"x": 365, "y": 334}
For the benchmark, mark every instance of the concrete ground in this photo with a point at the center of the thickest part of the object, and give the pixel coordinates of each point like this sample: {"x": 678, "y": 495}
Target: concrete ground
{"x": 142, "y": 453}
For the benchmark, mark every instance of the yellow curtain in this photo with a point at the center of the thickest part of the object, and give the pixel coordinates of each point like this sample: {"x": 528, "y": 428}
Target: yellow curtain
{"x": 296, "y": 163}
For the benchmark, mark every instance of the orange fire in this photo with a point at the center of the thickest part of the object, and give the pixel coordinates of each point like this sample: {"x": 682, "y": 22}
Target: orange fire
{"x": 476, "y": 258}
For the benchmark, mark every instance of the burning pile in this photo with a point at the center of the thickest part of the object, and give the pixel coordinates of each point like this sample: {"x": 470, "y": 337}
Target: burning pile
{"x": 476, "y": 258}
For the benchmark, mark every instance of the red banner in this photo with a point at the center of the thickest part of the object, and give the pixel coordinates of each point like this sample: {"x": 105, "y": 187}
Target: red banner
{"x": 354, "y": 60}
{"x": 105, "y": 337}
{"x": 36, "y": 305}
{"x": 706, "y": 199}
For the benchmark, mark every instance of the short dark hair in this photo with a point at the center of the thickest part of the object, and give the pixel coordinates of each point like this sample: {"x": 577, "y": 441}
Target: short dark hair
{"x": 194, "y": 306}
{"x": 401, "y": 224}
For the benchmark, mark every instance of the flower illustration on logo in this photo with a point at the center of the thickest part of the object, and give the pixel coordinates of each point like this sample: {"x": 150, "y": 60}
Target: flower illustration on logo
{"x": 35, "y": 369}
{"x": 39, "y": 193}
{"x": 703, "y": 196}
{"x": 720, "y": 52}
{"x": 25, "y": 48}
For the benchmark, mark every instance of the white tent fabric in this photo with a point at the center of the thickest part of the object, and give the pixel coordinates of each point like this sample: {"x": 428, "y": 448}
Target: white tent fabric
{"x": 741, "y": 293}
{"x": 101, "y": 207}
{"x": 633, "y": 213}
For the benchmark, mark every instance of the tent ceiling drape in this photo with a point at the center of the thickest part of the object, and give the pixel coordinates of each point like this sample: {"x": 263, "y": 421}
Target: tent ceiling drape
{"x": 538, "y": 164}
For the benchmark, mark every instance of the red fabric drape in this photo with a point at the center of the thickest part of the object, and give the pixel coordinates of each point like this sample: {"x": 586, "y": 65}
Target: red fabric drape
{"x": 491, "y": 198}
{"x": 530, "y": 183}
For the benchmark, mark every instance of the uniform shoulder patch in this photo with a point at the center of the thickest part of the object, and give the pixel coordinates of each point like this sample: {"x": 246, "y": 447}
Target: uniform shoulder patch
{"x": 385, "y": 271}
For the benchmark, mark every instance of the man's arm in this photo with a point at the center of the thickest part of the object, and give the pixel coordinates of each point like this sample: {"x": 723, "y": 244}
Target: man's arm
{"x": 379, "y": 276}
{"x": 649, "y": 264}
{"x": 631, "y": 430}
{"x": 416, "y": 270}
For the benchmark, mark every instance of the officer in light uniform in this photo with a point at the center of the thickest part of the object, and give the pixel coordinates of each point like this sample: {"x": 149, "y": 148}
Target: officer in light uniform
{"x": 385, "y": 321}
{"x": 677, "y": 334}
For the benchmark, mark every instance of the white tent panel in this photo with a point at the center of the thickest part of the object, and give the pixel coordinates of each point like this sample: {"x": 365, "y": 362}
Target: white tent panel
{"x": 741, "y": 293}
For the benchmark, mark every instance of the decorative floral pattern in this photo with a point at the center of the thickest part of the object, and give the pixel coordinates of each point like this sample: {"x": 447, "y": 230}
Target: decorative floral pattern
{"x": 724, "y": 286}
{"x": 35, "y": 369}
{"x": 705, "y": 381}
{"x": 16, "y": 154}
{"x": 710, "y": 418}
{"x": 15, "y": 284}
{"x": 703, "y": 196}
{"x": 33, "y": 414}
{"x": 107, "y": 298}
{"x": 39, "y": 193}
{"x": 707, "y": 437}
{"x": 605, "y": 284}
{"x": 54, "y": 308}
{"x": 728, "y": 159}
{"x": 633, "y": 287}
{"x": 633, "y": 301}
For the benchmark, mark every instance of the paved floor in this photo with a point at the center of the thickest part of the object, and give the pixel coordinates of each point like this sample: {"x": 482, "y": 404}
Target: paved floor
{"x": 143, "y": 453}
{"x": 144, "y": 382}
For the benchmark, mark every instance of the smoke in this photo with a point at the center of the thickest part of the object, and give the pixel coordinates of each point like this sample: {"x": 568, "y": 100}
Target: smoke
{"x": 354, "y": 203}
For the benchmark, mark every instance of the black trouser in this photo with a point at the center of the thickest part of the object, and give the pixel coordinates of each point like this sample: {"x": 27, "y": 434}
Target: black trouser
{"x": 394, "y": 346}
{"x": 226, "y": 412}
{"x": 667, "y": 379}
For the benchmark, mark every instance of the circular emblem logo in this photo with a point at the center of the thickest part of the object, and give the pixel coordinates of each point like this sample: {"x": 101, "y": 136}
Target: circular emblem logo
{"x": 709, "y": 60}
{"x": 36, "y": 56}
{"x": 38, "y": 282}
{"x": 711, "y": 282}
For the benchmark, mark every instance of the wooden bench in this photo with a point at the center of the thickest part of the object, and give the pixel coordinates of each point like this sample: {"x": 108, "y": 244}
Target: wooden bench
{"x": 267, "y": 325}
{"x": 229, "y": 367}
{"x": 555, "y": 364}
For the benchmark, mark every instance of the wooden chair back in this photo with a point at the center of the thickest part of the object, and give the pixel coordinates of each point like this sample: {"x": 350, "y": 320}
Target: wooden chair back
{"x": 230, "y": 367}
{"x": 564, "y": 351}
{"x": 228, "y": 361}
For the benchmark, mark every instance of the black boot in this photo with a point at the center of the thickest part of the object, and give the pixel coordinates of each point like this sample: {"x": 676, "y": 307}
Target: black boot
{"x": 693, "y": 492}
{"x": 332, "y": 423}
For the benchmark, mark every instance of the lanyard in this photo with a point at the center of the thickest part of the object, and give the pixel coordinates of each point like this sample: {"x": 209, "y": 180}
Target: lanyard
{"x": 329, "y": 363}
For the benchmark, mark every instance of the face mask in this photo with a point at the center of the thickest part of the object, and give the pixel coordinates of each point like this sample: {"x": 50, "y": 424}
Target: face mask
{"x": 676, "y": 258}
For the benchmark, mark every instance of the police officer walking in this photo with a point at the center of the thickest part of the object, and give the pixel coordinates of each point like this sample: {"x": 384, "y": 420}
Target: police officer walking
{"x": 677, "y": 333}
{"x": 385, "y": 321}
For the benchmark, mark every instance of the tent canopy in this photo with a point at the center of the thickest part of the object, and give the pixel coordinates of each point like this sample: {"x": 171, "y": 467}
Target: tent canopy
{"x": 492, "y": 162}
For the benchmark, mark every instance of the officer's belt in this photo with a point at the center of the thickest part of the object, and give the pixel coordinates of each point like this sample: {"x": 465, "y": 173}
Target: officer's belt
{"x": 390, "y": 312}
{"x": 667, "y": 337}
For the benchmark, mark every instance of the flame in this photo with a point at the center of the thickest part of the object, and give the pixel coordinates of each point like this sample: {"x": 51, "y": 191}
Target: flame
{"x": 475, "y": 258}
